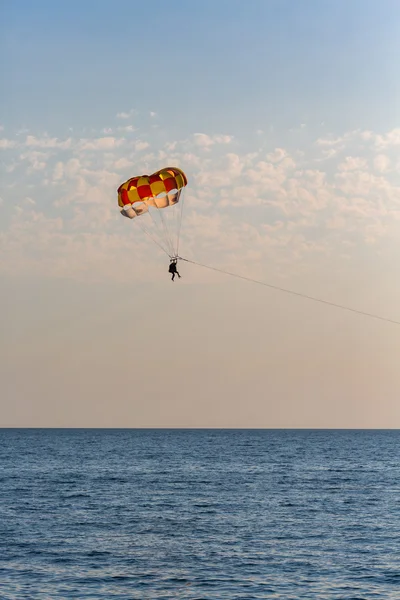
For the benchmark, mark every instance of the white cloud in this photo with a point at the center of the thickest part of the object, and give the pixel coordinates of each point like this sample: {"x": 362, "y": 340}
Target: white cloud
{"x": 336, "y": 141}
{"x": 223, "y": 139}
{"x": 140, "y": 145}
{"x": 203, "y": 140}
{"x": 36, "y": 159}
{"x": 367, "y": 135}
{"x": 72, "y": 167}
{"x": 388, "y": 140}
{"x": 277, "y": 155}
{"x": 47, "y": 142}
{"x": 103, "y": 143}
{"x": 382, "y": 163}
{"x": 327, "y": 154}
{"x": 123, "y": 163}
{"x": 353, "y": 163}
{"x": 127, "y": 129}
{"x": 6, "y": 144}
{"x": 206, "y": 141}
{"x": 58, "y": 171}
{"x": 126, "y": 115}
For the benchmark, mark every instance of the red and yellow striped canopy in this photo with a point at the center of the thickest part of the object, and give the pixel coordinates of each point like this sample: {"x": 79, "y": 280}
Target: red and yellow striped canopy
{"x": 146, "y": 187}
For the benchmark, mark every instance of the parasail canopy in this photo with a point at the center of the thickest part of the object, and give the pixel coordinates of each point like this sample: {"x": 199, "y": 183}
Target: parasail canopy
{"x": 155, "y": 198}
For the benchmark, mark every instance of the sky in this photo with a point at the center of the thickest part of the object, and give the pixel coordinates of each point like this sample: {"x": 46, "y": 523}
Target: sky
{"x": 285, "y": 118}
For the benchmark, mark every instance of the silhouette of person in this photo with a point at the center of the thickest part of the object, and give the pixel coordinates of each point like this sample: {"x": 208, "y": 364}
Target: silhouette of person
{"x": 172, "y": 269}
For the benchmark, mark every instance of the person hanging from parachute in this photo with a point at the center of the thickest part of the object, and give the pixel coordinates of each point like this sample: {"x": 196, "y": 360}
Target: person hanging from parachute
{"x": 154, "y": 202}
{"x": 172, "y": 268}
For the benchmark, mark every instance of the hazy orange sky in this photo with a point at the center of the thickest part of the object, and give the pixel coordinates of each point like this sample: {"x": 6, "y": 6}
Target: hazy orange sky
{"x": 286, "y": 123}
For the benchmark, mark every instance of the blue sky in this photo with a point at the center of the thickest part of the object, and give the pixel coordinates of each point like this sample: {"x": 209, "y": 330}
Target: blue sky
{"x": 226, "y": 64}
{"x": 285, "y": 117}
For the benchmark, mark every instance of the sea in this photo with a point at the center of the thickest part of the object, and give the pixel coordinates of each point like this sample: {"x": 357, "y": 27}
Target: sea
{"x": 199, "y": 514}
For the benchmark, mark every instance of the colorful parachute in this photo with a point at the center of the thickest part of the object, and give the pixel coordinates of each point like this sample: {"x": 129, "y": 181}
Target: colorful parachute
{"x": 155, "y": 199}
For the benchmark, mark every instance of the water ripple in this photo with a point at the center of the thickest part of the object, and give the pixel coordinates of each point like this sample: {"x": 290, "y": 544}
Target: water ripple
{"x": 199, "y": 515}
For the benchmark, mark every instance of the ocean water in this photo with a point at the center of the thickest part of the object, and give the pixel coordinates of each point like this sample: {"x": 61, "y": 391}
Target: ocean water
{"x": 199, "y": 514}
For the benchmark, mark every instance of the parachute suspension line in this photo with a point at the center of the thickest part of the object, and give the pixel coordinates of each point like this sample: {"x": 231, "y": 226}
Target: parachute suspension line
{"x": 150, "y": 212}
{"x": 179, "y": 224}
{"x": 167, "y": 234}
{"x": 293, "y": 293}
{"x": 144, "y": 229}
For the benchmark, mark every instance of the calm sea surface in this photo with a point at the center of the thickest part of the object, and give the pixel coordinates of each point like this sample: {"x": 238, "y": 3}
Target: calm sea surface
{"x": 199, "y": 514}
